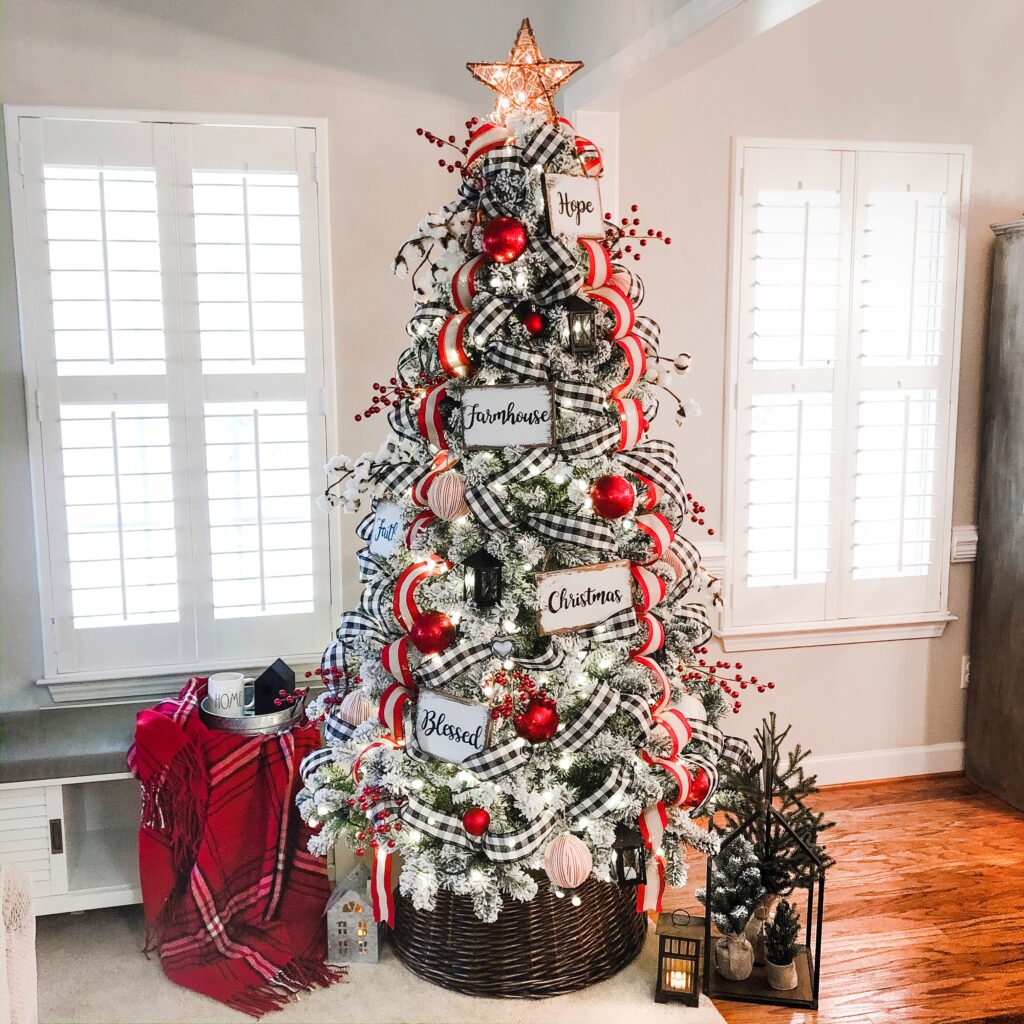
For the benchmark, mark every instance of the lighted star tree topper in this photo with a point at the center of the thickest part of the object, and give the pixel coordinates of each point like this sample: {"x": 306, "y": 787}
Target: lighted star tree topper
{"x": 526, "y": 83}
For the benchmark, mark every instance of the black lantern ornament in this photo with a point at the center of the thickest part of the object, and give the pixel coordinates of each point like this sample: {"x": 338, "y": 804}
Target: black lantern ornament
{"x": 482, "y": 579}
{"x": 630, "y": 857}
{"x": 582, "y": 327}
{"x": 680, "y": 938}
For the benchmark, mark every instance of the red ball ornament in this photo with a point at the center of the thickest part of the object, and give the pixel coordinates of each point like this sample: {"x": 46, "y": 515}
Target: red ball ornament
{"x": 475, "y": 821}
{"x": 538, "y": 721}
{"x": 504, "y": 239}
{"x": 613, "y": 496}
{"x": 432, "y": 633}
{"x": 534, "y": 323}
{"x": 700, "y": 786}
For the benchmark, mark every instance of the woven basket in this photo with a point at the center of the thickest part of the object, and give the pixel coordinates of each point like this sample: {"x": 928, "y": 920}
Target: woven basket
{"x": 543, "y": 948}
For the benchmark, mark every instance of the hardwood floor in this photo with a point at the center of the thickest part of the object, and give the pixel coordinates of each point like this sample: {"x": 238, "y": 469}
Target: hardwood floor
{"x": 924, "y": 911}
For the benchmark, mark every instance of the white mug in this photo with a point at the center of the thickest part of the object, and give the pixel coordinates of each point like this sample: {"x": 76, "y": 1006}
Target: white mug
{"x": 226, "y": 693}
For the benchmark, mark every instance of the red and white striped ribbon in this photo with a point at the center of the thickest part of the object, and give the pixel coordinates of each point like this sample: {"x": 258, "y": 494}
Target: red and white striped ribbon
{"x": 665, "y": 687}
{"x": 599, "y": 263}
{"x": 649, "y": 497}
{"x": 428, "y": 416}
{"x": 417, "y": 528}
{"x": 652, "y": 824}
{"x": 676, "y": 727}
{"x": 381, "y": 894}
{"x": 659, "y": 529}
{"x": 622, "y": 309}
{"x": 636, "y": 363}
{"x": 486, "y": 137}
{"x": 450, "y": 345}
{"x": 655, "y": 634}
{"x": 632, "y": 422}
{"x": 395, "y": 659}
{"x": 464, "y": 283}
{"x": 404, "y": 603}
{"x": 651, "y": 586}
{"x": 392, "y": 703}
{"x": 377, "y": 744}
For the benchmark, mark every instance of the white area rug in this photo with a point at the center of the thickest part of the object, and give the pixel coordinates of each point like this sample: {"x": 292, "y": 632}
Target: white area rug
{"x": 91, "y": 970}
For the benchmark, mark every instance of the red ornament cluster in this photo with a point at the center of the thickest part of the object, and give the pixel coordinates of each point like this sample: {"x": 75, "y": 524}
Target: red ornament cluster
{"x": 379, "y": 832}
{"x": 538, "y": 721}
{"x": 534, "y": 323}
{"x": 504, "y": 239}
{"x": 619, "y": 237}
{"x": 700, "y": 786}
{"x": 519, "y": 689}
{"x": 395, "y": 391}
{"x": 716, "y": 674}
{"x": 286, "y": 699}
{"x": 613, "y": 496}
{"x": 697, "y": 513}
{"x": 476, "y": 821}
{"x": 432, "y": 633}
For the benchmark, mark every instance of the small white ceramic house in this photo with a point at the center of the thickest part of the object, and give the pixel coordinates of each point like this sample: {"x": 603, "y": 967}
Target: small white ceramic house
{"x": 352, "y": 935}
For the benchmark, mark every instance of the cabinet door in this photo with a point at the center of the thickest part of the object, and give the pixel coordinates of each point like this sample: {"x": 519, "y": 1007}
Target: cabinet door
{"x": 32, "y": 836}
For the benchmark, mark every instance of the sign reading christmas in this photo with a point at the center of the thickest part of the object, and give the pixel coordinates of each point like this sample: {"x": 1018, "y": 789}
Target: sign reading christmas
{"x": 574, "y": 206}
{"x": 513, "y": 414}
{"x": 387, "y": 521}
{"x": 574, "y": 599}
{"x": 450, "y": 728}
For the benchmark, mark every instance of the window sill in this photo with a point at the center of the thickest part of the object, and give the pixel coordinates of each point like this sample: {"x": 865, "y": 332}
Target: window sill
{"x": 781, "y": 636}
{"x": 110, "y": 688}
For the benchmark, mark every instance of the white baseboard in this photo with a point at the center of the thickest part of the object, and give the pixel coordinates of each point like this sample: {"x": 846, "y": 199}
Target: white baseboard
{"x": 893, "y": 763}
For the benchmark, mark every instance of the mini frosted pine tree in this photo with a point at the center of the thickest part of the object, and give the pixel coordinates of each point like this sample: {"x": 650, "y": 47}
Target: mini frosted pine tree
{"x": 735, "y": 887}
{"x": 780, "y": 934}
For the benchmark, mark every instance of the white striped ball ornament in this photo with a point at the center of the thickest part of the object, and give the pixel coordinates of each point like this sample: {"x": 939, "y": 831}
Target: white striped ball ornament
{"x": 356, "y": 708}
{"x": 446, "y": 497}
{"x": 567, "y": 861}
{"x": 692, "y": 707}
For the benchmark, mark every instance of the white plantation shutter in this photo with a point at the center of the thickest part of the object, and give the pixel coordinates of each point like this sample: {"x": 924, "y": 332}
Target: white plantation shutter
{"x": 169, "y": 277}
{"x": 846, "y": 271}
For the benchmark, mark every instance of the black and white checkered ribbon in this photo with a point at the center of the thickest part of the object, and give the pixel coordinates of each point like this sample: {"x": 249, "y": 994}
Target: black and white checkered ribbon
{"x": 569, "y": 529}
{"x": 695, "y": 613}
{"x": 544, "y": 146}
{"x": 620, "y": 626}
{"x": 581, "y": 397}
{"x": 438, "y": 670}
{"x": 731, "y": 748}
{"x": 657, "y": 460}
{"x": 593, "y": 443}
{"x": 485, "y": 501}
{"x": 426, "y": 318}
{"x": 523, "y": 362}
{"x": 403, "y": 421}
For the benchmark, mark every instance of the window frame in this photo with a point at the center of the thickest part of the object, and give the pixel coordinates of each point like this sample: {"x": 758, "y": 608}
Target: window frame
{"x": 834, "y": 630}
{"x": 106, "y": 684}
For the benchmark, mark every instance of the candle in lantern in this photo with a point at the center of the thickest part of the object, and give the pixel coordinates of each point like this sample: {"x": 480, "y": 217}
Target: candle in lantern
{"x": 679, "y": 981}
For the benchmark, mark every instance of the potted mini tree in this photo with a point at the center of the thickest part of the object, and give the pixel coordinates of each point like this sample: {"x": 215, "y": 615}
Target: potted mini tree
{"x": 781, "y": 783}
{"x": 733, "y": 890}
{"x": 781, "y": 947}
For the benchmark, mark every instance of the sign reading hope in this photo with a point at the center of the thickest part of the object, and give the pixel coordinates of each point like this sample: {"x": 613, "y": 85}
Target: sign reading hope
{"x": 450, "y": 728}
{"x": 498, "y": 415}
{"x": 574, "y": 206}
{"x": 573, "y": 599}
{"x": 387, "y": 521}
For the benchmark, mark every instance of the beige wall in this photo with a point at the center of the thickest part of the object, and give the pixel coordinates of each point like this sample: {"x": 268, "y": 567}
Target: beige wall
{"x": 940, "y": 71}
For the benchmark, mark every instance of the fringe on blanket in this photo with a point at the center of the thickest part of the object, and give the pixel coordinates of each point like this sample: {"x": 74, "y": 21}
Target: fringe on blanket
{"x": 297, "y": 976}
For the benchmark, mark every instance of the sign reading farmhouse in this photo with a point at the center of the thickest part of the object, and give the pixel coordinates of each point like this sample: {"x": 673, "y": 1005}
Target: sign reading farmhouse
{"x": 572, "y": 599}
{"x": 450, "y": 728}
{"x": 384, "y": 538}
{"x": 574, "y": 206}
{"x": 497, "y": 415}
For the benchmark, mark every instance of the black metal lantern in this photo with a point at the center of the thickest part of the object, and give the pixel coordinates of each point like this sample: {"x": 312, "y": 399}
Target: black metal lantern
{"x": 582, "y": 326}
{"x": 680, "y": 938}
{"x": 630, "y": 856}
{"x": 482, "y": 579}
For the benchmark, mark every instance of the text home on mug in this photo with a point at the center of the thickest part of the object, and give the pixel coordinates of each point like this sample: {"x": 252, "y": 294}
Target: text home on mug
{"x": 571, "y": 599}
{"x": 494, "y": 416}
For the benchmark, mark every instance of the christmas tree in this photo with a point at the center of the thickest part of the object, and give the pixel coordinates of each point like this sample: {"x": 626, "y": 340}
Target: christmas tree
{"x": 522, "y": 682}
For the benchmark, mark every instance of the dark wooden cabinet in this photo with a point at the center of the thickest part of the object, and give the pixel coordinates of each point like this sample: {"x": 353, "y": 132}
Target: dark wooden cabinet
{"x": 995, "y": 697}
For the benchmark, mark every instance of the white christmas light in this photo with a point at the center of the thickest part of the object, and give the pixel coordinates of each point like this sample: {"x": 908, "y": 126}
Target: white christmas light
{"x": 576, "y": 901}
{"x": 417, "y": 783}
{"x": 476, "y": 876}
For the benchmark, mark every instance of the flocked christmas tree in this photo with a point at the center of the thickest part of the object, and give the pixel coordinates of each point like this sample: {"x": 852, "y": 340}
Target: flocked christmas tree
{"x": 522, "y": 685}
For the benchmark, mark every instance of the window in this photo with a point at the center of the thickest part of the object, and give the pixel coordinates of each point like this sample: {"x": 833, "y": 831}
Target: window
{"x": 845, "y": 314}
{"x": 171, "y": 291}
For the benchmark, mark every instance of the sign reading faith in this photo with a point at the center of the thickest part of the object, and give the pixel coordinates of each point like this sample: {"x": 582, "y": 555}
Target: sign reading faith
{"x": 574, "y": 206}
{"x": 573, "y": 599}
{"x": 387, "y": 522}
{"x": 449, "y": 728}
{"x": 497, "y": 415}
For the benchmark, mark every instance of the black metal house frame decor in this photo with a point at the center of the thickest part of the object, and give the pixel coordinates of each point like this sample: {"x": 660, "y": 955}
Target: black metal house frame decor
{"x": 768, "y": 823}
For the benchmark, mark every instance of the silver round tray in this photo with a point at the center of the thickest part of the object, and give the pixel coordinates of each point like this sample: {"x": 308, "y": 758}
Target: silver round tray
{"x": 253, "y": 725}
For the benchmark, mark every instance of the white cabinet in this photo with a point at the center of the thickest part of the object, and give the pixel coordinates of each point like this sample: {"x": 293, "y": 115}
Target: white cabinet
{"x": 76, "y": 839}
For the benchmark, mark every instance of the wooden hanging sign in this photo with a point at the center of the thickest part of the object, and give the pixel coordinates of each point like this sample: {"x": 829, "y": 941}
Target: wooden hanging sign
{"x": 496, "y": 415}
{"x": 450, "y": 728}
{"x": 385, "y": 534}
{"x": 569, "y": 600}
{"x": 574, "y": 206}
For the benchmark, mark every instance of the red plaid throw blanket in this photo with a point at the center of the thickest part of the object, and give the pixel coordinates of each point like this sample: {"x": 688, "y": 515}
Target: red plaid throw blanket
{"x": 234, "y": 904}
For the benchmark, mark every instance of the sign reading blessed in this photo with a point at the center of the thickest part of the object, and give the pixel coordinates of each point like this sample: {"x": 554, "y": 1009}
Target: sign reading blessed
{"x": 387, "y": 520}
{"x": 574, "y": 206}
{"x": 450, "y": 728}
{"x": 498, "y": 415}
{"x": 572, "y": 599}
